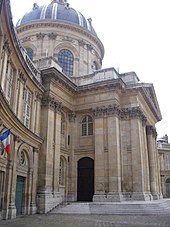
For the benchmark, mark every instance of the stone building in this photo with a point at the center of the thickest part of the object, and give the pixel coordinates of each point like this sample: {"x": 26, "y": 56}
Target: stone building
{"x": 164, "y": 162}
{"x": 78, "y": 132}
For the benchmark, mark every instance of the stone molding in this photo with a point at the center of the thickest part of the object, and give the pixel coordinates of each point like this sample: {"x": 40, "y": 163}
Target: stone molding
{"x": 40, "y": 35}
{"x": 121, "y": 113}
{"x": 151, "y": 130}
{"x": 51, "y": 103}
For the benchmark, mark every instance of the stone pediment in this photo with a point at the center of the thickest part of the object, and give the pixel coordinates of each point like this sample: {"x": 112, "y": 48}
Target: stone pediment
{"x": 149, "y": 95}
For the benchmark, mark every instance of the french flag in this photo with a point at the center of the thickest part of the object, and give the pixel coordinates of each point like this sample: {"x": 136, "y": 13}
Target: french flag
{"x": 5, "y": 139}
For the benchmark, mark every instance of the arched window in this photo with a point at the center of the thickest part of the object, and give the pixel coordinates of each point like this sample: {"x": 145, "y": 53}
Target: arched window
{"x": 94, "y": 66}
{"x": 62, "y": 172}
{"x": 30, "y": 53}
{"x": 87, "y": 126}
{"x": 66, "y": 60}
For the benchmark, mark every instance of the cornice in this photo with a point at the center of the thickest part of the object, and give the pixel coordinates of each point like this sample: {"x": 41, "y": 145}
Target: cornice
{"x": 52, "y": 73}
{"x": 26, "y": 63}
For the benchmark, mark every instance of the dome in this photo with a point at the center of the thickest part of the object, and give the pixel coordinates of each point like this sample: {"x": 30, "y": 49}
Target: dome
{"x": 57, "y": 10}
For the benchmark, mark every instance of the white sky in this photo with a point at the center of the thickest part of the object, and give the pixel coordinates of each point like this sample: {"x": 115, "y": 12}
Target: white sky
{"x": 136, "y": 37}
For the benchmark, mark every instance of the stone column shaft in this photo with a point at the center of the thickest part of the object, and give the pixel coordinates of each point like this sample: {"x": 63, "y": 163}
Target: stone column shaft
{"x": 152, "y": 162}
{"x": 99, "y": 160}
{"x": 114, "y": 158}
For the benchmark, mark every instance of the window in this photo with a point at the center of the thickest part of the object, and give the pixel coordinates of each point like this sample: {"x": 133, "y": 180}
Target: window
{"x": 9, "y": 80}
{"x": 66, "y": 59}
{"x": 62, "y": 125}
{"x": 30, "y": 53}
{"x": 167, "y": 161}
{"x": 62, "y": 172}
{"x": 27, "y": 107}
{"x": 87, "y": 126}
{"x": 1, "y": 189}
{"x": 94, "y": 66}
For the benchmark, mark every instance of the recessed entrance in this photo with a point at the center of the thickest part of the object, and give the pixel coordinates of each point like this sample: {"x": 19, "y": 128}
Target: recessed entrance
{"x": 85, "y": 180}
{"x": 19, "y": 194}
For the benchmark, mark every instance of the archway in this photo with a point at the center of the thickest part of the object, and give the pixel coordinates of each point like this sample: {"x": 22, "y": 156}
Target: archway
{"x": 85, "y": 179}
{"x": 167, "y": 183}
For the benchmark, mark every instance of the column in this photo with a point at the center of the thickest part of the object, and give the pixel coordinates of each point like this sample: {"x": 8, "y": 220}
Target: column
{"x": 99, "y": 158}
{"x": 56, "y": 156}
{"x": 153, "y": 159}
{"x": 11, "y": 180}
{"x": 48, "y": 156}
{"x": 114, "y": 157}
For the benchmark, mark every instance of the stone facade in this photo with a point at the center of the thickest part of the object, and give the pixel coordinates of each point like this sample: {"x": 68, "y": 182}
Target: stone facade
{"x": 164, "y": 162}
{"x": 60, "y": 124}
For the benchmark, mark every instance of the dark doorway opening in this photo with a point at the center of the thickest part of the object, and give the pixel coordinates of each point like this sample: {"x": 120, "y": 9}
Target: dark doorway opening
{"x": 85, "y": 180}
{"x": 19, "y": 194}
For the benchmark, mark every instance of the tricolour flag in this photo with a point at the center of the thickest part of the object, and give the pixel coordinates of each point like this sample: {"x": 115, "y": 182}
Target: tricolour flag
{"x": 5, "y": 139}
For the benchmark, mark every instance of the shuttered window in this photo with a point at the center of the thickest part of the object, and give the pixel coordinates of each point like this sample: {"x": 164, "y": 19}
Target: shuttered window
{"x": 9, "y": 81}
{"x": 27, "y": 107}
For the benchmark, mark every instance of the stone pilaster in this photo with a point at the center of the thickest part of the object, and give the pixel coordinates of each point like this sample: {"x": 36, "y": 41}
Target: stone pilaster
{"x": 71, "y": 164}
{"x": 100, "y": 194}
{"x": 33, "y": 205}
{"x": 11, "y": 181}
{"x": 46, "y": 196}
{"x": 153, "y": 165}
{"x": 114, "y": 160}
{"x": 56, "y": 155}
{"x": 138, "y": 120}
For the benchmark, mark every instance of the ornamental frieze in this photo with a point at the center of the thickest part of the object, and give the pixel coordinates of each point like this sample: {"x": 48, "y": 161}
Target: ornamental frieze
{"x": 122, "y": 113}
{"x": 52, "y": 35}
{"x": 40, "y": 35}
{"x": 51, "y": 103}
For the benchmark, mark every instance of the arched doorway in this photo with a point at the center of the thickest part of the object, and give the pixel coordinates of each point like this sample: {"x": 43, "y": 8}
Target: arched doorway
{"x": 85, "y": 180}
{"x": 167, "y": 183}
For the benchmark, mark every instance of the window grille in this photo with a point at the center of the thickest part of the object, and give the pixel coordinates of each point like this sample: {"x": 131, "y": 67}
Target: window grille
{"x": 30, "y": 53}
{"x": 66, "y": 60}
{"x": 87, "y": 126}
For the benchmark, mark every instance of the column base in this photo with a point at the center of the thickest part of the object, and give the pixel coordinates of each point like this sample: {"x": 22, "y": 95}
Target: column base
{"x": 47, "y": 201}
{"x": 156, "y": 196}
{"x": 11, "y": 211}
{"x": 33, "y": 208}
{"x": 141, "y": 196}
{"x": 108, "y": 197}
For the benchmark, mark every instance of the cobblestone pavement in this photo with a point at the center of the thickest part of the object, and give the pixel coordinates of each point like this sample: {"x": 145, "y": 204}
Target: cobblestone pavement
{"x": 67, "y": 220}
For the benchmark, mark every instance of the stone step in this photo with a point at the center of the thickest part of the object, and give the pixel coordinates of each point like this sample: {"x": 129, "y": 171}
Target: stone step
{"x": 155, "y": 207}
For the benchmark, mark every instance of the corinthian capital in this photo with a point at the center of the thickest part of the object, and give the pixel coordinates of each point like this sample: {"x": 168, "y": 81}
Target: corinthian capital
{"x": 51, "y": 103}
